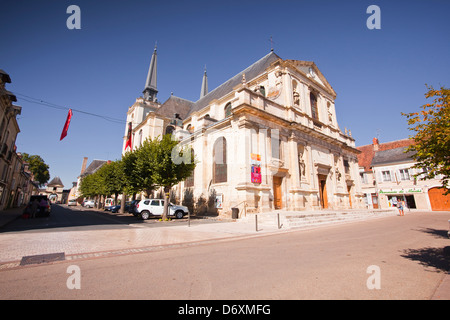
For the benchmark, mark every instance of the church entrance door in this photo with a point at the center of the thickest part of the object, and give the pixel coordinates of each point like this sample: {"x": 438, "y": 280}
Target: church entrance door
{"x": 323, "y": 191}
{"x": 277, "y": 192}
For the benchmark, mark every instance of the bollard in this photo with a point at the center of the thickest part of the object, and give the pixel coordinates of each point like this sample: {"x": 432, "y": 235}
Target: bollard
{"x": 189, "y": 218}
{"x": 278, "y": 219}
{"x": 256, "y": 222}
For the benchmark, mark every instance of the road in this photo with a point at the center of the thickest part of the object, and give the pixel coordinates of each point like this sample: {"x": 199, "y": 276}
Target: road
{"x": 70, "y": 218}
{"x": 387, "y": 258}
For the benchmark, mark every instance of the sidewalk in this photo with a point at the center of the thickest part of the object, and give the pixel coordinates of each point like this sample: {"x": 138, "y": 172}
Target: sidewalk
{"x": 139, "y": 238}
{"x": 8, "y": 215}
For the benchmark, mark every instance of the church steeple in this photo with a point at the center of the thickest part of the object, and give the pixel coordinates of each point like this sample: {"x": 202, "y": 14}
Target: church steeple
{"x": 150, "y": 90}
{"x": 204, "y": 90}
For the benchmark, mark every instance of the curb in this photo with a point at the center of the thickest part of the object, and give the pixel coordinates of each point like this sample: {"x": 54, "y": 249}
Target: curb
{"x": 443, "y": 290}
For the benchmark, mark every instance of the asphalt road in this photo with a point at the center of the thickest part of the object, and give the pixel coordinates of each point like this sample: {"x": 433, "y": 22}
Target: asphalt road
{"x": 388, "y": 258}
{"x": 67, "y": 218}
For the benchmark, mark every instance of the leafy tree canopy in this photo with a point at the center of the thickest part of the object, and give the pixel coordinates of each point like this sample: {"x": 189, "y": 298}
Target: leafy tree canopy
{"x": 431, "y": 126}
{"x": 38, "y": 167}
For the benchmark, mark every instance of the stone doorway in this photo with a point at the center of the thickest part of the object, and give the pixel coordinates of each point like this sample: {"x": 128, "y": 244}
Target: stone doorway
{"x": 323, "y": 191}
{"x": 277, "y": 194}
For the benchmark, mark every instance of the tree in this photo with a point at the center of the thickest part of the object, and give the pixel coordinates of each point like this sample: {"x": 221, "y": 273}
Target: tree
{"x": 144, "y": 166}
{"x": 128, "y": 165}
{"x": 38, "y": 167}
{"x": 161, "y": 163}
{"x": 112, "y": 177}
{"x": 88, "y": 186}
{"x": 172, "y": 164}
{"x": 432, "y": 136}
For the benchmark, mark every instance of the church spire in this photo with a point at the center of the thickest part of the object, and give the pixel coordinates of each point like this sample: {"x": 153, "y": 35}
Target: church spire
{"x": 150, "y": 90}
{"x": 204, "y": 90}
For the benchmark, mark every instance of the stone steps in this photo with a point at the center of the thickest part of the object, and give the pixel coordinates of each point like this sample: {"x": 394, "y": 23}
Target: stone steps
{"x": 310, "y": 219}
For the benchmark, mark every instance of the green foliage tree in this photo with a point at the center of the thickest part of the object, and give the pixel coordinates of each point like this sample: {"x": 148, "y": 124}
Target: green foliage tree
{"x": 131, "y": 175}
{"x": 432, "y": 136}
{"x": 143, "y": 171}
{"x": 111, "y": 176}
{"x": 171, "y": 164}
{"x": 38, "y": 167}
{"x": 88, "y": 186}
{"x": 157, "y": 163}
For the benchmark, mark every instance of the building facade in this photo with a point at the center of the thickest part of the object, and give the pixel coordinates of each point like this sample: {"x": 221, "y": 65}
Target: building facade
{"x": 54, "y": 190}
{"x": 387, "y": 176}
{"x": 267, "y": 138}
{"x": 16, "y": 184}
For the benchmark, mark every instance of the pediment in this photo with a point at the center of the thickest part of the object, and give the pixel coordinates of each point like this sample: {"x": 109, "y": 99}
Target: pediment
{"x": 312, "y": 72}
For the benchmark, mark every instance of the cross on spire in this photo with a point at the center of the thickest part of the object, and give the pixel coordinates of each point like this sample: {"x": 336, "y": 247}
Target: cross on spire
{"x": 271, "y": 43}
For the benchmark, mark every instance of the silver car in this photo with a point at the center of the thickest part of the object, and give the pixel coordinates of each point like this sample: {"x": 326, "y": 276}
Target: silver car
{"x": 89, "y": 203}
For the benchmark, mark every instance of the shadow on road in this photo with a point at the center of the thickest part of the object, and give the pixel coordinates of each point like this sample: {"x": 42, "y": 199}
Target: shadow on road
{"x": 435, "y": 232}
{"x": 67, "y": 217}
{"x": 438, "y": 258}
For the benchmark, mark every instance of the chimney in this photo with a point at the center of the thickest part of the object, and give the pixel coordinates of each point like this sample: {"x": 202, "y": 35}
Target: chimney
{"x": 375, "y": 144}
{"x": 83, "y": 166}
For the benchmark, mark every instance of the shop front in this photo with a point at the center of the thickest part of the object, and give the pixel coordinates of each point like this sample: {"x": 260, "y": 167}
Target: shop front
{"x": 414, "y": 198}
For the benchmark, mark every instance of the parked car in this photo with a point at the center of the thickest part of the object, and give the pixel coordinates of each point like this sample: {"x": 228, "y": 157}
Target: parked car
{"x": 89, "y": 203}
{"x": 155, "y": 207}
{"x": 72, "y": 202}
{"x": 44, "y": 208}
{"x": 132, "y": 206}
{"x": 109, "y": 202}
{"x": 116, "y": 208}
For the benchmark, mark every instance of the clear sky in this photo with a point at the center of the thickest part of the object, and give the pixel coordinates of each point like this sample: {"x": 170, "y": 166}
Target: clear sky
{"x": 102, "y": 67}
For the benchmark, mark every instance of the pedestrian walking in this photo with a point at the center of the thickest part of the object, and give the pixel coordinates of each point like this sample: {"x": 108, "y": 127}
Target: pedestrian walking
{"x": 42, "y": 205}
{"x": 34, "y": 207}
{"x": 400, "y": 208}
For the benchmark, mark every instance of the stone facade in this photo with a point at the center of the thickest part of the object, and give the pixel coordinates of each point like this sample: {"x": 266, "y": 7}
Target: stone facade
{"x": 267, "y": 138}
{"x": 16, "y": 181}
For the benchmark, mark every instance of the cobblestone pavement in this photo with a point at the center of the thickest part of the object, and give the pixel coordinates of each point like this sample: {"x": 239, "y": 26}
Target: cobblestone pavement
{"x": 130, "y": 238}
{"x": 85, "y": 243}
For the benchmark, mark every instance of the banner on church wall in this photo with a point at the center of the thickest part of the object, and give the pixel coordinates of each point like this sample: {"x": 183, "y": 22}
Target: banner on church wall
{"x": 256, "y": 168}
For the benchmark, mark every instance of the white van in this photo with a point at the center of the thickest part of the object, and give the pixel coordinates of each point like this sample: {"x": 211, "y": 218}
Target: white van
{"x": 108, "y": 203}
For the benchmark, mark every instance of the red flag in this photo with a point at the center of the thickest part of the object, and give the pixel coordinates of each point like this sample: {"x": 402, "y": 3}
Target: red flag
{"x": 128, "y": 144}
{"x": 66, "y": 125}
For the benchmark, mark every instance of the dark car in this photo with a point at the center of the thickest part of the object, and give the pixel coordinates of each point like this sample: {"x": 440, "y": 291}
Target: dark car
{"x": 132, "y": 205}
{"x": 43, "y": 209}
{"x": 116, "y": 208}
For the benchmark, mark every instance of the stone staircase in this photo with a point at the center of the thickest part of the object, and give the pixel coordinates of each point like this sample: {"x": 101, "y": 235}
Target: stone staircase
{"x": 312, "y": 219}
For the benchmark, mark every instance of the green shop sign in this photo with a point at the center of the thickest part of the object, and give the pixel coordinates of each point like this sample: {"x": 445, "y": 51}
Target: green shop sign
{"x": 401, "y": 191}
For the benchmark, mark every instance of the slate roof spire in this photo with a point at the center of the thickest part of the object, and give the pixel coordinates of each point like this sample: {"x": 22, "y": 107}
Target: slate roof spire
{"x": 150, "y": 90}
{"x": 56, "y": 182}
{"x": 204, "y": 90}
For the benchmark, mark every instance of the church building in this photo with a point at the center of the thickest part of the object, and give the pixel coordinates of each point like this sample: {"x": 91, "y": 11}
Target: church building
{"x": 267, "y": 138}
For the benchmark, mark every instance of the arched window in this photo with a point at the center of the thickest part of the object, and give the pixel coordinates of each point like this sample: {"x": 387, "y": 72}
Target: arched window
{"x": 228, "y": 110}
{"x": 314, "y": 111}
{"x": 190, "y": 128}
{"x": 140, "y": 137}
{"x": 169, "y": 129}
{"x": 220, "y": 160}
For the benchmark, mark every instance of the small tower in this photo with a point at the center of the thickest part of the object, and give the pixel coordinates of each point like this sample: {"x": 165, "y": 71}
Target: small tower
{"x": 204, "y": 90}
{"x": 150, "y": 90}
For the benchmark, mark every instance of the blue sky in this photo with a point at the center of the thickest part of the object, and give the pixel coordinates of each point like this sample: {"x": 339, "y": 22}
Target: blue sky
{"x": 102, "y": 67}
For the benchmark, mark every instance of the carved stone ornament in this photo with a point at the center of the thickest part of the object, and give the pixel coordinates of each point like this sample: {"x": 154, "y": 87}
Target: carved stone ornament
{"x": 296, "y": 98}
{"x": 274, "y": 92}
